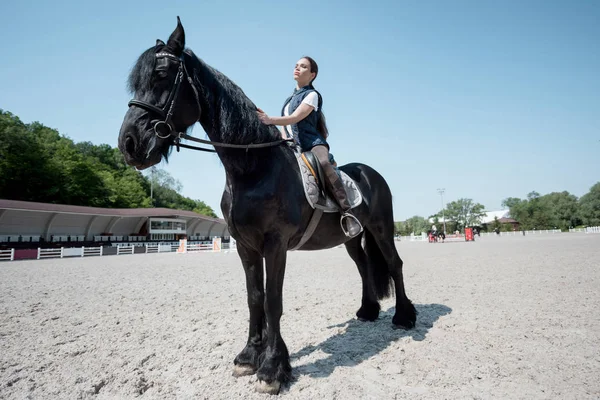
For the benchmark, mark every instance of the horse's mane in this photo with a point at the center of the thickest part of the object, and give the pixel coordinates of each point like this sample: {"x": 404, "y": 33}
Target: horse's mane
{"x": 234, "y": 114}
{"x": 231, "y": 112}
{"x": 228, "y": 115}
{"x": 140, "y": 77}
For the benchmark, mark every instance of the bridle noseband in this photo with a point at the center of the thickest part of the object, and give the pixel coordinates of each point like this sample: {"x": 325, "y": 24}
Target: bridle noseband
{"x": 164, "y": 129}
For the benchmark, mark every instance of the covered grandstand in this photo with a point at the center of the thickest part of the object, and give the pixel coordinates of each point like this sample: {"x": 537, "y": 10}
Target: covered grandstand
{"x": 26, "y": 224}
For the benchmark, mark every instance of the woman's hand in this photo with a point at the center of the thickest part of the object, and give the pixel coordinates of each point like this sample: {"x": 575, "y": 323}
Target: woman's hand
{"x": 264, "y": 118}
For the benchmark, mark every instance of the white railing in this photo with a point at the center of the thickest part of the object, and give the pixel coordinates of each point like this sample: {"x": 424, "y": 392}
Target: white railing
{"x": 169, "y": 247}
{"x": 192, "y": 248}
{"x": 592, "y": 229}
{"x": 49, "y": 253}
{"x": 151, "y": 248}
{"x": 520, "y": 233}
{"x": 91, "y": 251}
{"x": 413, "y": 238}
{"x": 124, "y": 250}
{"x": 7, "y": 255}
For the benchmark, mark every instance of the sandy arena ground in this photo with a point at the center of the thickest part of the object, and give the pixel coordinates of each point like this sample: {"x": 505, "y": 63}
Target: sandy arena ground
{"x": 503, "y": 317}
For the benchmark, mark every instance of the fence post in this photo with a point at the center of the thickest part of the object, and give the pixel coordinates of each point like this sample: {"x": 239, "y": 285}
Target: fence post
{"x": 61, "y": 252}
{"x": 39, "y": 252}
{"x": 82, "y": 250}
{"x": 101, "y": 248}
{"x": 12, "y": 254}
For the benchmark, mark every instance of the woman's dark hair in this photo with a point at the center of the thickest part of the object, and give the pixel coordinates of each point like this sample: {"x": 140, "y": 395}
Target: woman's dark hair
{"x": 321, "y": 123}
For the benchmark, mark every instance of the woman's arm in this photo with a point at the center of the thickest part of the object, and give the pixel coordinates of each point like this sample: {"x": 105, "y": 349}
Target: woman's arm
{"x": 301, "y": 112}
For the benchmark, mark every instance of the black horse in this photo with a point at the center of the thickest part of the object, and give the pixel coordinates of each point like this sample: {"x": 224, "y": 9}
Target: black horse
{"x": 263, "y": 203}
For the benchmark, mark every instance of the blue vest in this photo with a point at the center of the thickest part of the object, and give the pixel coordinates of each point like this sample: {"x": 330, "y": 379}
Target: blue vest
{"x": 305, "y": 132}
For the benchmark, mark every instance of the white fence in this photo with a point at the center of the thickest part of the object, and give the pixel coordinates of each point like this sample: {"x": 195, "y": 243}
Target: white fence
{"x": 7, "y": 255}
{"x": 423, "y": 237}
{"x": 151, "y": 248}
{"x": 193, "y": 248}
{"x": 128, "y": 248}
{"x": 520, "y": 233}
{"x": 592, "y": 229}
{"x": 413, "y": 238}
{"x": 91, "y": 251}
{"x": 50, "y": 253}
{"x": 125, "y": 250}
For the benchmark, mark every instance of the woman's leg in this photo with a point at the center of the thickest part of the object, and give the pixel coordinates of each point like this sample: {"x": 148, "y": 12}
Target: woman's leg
{"x": 333, "y": 182}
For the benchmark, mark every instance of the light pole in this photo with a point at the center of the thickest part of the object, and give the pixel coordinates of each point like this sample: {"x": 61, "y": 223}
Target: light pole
{"x": 441, "y": 192}
{"x": 152, "y": 186}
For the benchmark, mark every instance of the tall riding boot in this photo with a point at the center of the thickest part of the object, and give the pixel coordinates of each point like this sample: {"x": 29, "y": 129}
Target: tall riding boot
{"x": 350, "y": 224}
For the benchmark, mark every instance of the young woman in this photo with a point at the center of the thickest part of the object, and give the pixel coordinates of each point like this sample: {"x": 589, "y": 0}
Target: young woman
{"x": 303, "y": 120}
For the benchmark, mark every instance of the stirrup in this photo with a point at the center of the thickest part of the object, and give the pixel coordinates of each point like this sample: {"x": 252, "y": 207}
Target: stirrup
{"x": 347, "y": 233}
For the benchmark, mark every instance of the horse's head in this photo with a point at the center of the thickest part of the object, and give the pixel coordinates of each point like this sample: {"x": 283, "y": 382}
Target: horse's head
{"x": 163, "y": 104}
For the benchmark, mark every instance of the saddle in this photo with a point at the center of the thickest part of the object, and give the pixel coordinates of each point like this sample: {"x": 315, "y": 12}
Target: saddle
{"x": 313, "y": 181}
{"x": 317, "y": 195}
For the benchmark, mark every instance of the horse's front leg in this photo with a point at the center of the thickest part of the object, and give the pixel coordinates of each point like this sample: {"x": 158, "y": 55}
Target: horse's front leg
{"x": 248, "y": 361}
{"x": 276, "y": 368}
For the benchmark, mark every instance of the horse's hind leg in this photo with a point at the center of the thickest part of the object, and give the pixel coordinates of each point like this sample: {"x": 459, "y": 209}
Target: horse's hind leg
{"x": 249, "y": 359}
{"x": 369, "y": 307}
{"x": 406, "y": 314}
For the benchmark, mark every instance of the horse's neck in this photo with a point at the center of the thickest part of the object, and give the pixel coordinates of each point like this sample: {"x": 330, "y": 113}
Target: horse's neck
{"x": 226, "y": 118}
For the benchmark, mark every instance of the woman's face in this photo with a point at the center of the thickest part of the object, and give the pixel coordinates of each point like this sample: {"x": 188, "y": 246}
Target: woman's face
{"x": 302, "y": 73}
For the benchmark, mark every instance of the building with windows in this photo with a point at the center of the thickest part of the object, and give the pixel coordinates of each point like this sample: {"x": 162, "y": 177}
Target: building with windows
{"x": 24, "y": 223}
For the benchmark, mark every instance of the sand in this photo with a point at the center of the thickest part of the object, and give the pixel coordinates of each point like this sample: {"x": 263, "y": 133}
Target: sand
{"x": 503, "y": 317}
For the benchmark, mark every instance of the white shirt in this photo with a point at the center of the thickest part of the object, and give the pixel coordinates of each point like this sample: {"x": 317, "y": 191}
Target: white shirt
{"x": 311, "y": 99}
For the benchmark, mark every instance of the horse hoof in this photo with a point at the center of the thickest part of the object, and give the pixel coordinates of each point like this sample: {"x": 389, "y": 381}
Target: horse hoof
{"x": 268, "y": 388}
{"x": 243, "y": 370}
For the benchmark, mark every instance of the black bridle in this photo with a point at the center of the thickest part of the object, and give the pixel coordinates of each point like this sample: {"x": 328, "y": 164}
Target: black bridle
{"x": 164, "y": 129}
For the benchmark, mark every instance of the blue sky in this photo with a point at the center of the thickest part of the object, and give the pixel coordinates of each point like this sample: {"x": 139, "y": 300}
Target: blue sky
{"x": 487, "y": 99}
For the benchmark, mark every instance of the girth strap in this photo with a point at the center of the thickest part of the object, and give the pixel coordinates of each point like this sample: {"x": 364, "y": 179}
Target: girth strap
{"x": 310, "y": 229}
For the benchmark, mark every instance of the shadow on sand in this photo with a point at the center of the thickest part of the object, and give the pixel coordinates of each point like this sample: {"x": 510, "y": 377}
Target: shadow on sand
{"x": 362, "y": 340}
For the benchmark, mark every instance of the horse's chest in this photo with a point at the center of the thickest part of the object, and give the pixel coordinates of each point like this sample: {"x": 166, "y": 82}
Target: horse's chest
{"x": 252, "y": 206}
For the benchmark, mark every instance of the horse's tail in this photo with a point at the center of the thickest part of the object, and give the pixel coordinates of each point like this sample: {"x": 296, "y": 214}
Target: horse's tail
{"x": 379, "y": 272}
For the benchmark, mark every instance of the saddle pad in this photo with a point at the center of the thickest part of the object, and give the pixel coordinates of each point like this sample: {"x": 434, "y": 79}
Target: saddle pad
{"x": 315, "y": 197}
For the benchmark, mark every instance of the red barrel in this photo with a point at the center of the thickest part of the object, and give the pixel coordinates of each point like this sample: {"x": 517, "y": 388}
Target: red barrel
{"x": 469, "y": 235}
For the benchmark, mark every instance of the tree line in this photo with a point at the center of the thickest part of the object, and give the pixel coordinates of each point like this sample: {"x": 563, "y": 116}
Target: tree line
{"x": 39, "y": 164}
{"x": 556, "y": 210}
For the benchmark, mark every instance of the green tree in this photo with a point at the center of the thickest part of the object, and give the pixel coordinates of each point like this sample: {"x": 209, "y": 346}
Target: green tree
{"x": 202, "y": 208}
{"x": 26, "y": 170}
{"x": 464, "y": 212}
{"x": 562, "y": 208}
{"x": 415, "y": 225}
{"x": 38, "y": 164}
{"x": 589, "y": 206}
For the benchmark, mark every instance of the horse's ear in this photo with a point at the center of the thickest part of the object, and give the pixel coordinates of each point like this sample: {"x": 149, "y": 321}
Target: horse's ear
{"x": 159, "y": 42}
{"x": 176, "y": 41}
